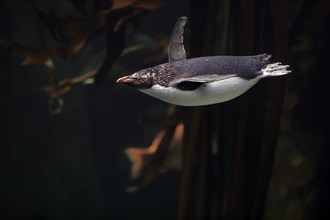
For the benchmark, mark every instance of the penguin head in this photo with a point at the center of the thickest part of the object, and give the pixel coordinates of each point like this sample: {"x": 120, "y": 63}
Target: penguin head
{"x": 142, "y": 79}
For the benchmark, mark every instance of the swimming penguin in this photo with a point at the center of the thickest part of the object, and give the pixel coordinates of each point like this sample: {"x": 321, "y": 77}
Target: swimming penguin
{"x": 202, "y": 80}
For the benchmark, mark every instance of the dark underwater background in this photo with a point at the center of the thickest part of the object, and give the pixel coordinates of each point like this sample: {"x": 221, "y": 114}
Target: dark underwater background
{"x": 66, "y": 160}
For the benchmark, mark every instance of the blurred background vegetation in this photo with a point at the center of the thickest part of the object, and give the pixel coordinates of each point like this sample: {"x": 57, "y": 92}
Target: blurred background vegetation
{"x": 65, "y": 123}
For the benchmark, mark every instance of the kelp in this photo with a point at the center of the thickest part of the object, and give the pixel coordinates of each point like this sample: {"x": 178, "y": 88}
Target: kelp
{"x": 73, "y": 33}
{"x": 233, "y": 182}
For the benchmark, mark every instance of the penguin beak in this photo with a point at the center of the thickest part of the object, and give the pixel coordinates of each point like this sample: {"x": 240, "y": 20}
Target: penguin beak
{"x": 125, "y": 79}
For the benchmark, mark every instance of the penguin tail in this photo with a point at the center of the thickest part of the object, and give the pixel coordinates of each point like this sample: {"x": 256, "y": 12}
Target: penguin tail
{"x": 275, "y": 69}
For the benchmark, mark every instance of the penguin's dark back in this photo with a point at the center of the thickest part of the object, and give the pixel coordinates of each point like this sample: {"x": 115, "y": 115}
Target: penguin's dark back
{"x": 247, "y": 67}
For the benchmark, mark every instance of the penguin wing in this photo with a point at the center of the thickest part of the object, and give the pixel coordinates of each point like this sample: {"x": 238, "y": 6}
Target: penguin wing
{"x": 192, "y": 83}
{"x": 176, "y": 48}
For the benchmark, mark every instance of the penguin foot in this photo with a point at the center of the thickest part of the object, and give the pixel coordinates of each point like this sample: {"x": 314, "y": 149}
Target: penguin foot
{"x": 275, "y": 69}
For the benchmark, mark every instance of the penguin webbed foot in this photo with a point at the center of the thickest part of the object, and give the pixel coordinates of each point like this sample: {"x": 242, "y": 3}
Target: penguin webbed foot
{"x": 275, "y": 69}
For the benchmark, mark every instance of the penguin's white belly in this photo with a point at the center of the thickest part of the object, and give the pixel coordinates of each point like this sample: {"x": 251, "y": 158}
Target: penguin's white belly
{"x": 209, "y": 93}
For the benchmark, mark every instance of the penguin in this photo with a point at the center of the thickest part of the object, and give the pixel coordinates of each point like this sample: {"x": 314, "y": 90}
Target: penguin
{"x": 202, "y": 80}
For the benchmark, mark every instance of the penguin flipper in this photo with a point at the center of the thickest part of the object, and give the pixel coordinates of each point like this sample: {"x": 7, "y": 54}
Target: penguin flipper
{"x": 192, "y": 83}
{"x": 176, "y": 48}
